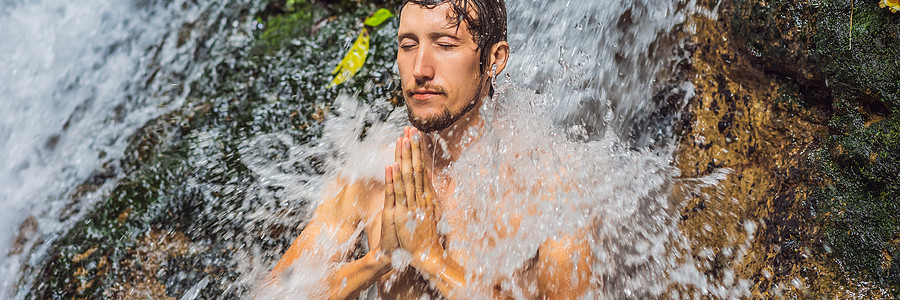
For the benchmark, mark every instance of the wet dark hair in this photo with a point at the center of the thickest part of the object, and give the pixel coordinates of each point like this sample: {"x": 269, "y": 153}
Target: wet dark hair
{"x": 487, "y": 26}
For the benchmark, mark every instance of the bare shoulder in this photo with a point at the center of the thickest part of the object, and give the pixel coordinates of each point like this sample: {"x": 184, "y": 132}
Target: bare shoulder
{"x": 346, "y": 198}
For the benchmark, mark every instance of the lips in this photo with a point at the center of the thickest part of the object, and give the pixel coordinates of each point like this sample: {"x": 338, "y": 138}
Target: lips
{"x": 424, "y": 94}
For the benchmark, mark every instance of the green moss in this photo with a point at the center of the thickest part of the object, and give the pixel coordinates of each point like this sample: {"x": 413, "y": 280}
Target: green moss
{"x": 280, "y": 30}
{"x": 185, "y": 171}
{"x": 859, "y": 207}
{"x": 853, "y": 72}
{"x": 861, "y": 158}
{"x": 286, "y": 23}
{"x": 866, "y": 71}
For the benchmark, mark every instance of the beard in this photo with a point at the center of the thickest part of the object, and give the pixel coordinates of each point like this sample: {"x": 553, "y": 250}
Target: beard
{"x": 441, "y": 121}
{"x": 444, "y": 119}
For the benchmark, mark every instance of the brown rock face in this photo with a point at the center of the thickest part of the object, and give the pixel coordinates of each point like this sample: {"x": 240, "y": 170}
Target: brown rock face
{"x": 761, "y": 109}
{"x": 147, "y": 259}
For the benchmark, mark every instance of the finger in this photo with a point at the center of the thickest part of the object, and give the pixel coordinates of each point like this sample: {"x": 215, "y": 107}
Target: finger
{"x": 387, "y": 214}
{"x": 418, "y": 169}
{"x": 397, "y": 151}
{"x": 427, "y": 183}
{"x": 388, "y": 190}
{"x": 422, "y": 147}
{"x": 399, "y": 191}
{"x": 407, "y": 167}
{"x": 429, "y": 196}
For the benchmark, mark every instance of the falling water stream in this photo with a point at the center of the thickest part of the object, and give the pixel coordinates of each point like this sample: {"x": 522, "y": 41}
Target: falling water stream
{"x": 78, "y": 79}
{"x": 578, "y": 131}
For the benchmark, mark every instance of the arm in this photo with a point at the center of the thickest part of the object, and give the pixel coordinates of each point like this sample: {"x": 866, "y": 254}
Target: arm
{"x": 338, "y": 216}
{"x": 352, "y": 278}
{"x": 564, "y": 267}
{"x": 446, "y": 274}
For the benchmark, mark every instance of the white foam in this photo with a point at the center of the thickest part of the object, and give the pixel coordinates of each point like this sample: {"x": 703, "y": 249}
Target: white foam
{"x": 79, "y": 77}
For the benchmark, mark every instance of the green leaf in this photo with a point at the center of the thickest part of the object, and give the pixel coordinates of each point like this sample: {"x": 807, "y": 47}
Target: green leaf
{"x": 379, "y": 17}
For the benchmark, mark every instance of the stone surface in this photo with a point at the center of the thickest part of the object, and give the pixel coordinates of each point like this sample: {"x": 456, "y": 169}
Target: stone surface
{"x": 188, "y": 214}
{"x": 808, "y": 124}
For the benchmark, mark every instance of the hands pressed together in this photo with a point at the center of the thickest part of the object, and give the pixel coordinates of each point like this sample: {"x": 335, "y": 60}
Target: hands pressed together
{"x": 408, "y": 218}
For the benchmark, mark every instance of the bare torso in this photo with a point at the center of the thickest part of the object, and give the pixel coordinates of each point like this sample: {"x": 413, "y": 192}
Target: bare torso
{"x": 409, "y": 284}
{"x": 549, "y": 272}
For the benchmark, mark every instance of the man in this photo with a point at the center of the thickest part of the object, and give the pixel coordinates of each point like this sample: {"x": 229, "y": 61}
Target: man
{"x": 449, "y": 50}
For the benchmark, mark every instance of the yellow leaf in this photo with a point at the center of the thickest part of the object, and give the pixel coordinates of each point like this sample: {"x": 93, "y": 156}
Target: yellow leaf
{"x": 893, "y": 5}
{"x": 353, "y": 61}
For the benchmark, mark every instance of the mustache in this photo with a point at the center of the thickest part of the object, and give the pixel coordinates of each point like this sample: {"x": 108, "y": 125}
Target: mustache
{"x": 430, "y": 87}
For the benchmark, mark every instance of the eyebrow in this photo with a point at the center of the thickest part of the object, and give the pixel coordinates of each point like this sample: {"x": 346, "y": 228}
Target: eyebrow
{"x": 437, "y": 34}
{"x": 407, "y": 35}
{"x": 434, "y": 35}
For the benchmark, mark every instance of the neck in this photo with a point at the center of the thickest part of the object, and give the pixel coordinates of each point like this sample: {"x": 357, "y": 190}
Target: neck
{"x": 449, "y": 143}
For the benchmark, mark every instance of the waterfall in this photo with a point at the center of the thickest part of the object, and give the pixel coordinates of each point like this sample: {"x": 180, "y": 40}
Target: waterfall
{"x": 581, "y": 94}
{"x": 79, "y": 77}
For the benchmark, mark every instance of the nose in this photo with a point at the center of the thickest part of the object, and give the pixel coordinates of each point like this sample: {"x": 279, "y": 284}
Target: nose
{"x": 423, "y": 70}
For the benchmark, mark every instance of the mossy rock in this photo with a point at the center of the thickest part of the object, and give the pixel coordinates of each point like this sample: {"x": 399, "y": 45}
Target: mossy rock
{"x": 858, "y": 208}
{"x": 853, "y": 71}
{"x": 859, "y": 202}
{"x": 863, "y": 61}
{"x": 184, "y": 173}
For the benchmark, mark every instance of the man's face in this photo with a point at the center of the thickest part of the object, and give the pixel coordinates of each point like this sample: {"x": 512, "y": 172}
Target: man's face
{"x": 438, "y": 64}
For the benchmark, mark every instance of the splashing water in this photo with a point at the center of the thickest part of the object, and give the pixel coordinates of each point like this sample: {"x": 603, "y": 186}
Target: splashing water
{"x": 559, "y": 140}
{"x": 560, "y": 186}
{"x": 557, "y": 185}
{"x": 555, "y": 149}
{"x": 593, "y": 56}
{"x": 78, "y": 80}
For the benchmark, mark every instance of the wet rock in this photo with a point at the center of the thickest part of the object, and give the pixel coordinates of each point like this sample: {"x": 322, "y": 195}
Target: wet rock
{"x": 145, "y": 261}
{"x": 802, "y": 106}
{"x": 754, "y": 127}
{"x": 187, "y": 210}
{"x": 27, "y": 229}
{"x": 780, "y": 37}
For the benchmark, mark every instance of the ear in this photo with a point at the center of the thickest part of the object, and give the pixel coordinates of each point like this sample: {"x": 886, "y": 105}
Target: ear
{"x": 499, "y": 56}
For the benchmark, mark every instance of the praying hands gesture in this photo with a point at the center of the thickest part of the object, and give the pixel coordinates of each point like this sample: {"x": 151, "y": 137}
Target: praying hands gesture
{"x": 409, "y": 219}
{"x": 409, "y": 215}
